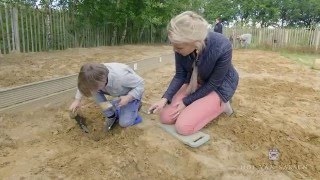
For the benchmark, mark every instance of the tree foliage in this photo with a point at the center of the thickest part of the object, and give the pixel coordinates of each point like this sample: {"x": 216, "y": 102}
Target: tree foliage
{"x": 284, "y": 13}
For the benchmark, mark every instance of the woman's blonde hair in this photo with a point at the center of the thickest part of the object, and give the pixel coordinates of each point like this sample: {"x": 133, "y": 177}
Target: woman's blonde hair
{"x": 188, "y": 27}
{"x": 90, "y": 77}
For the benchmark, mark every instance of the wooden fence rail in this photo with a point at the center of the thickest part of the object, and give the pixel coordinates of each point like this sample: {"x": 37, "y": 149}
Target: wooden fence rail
{"x": 25, "y": 29}
{"x": 298, "y": 39}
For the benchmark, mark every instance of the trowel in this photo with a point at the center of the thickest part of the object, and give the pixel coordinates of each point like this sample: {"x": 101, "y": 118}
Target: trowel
{"x": 80, "y": 121}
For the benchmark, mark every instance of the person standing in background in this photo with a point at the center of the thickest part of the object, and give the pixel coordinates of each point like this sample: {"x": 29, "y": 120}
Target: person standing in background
{"x": 218, "y": 26}
{"x": 245, "y": 40}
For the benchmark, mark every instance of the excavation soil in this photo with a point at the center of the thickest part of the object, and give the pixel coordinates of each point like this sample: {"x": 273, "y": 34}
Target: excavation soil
{"x": 277, "y": 107}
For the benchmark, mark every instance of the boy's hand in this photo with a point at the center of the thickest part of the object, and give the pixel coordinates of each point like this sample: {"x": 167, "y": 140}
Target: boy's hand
{"x": 75, "y": 105}
{"x": 124, "y": 100}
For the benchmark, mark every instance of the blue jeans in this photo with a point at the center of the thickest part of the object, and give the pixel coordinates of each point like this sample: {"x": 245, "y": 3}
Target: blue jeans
{"x": 126, "y": 114}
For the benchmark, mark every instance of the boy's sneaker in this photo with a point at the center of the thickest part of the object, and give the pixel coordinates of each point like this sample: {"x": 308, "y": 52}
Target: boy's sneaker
{"x": 108, "y": 123}
{"x": 137, "y": 120}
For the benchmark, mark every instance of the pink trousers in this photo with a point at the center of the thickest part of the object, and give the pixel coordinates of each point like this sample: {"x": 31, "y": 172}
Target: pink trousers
{"x": 195, "y": 116}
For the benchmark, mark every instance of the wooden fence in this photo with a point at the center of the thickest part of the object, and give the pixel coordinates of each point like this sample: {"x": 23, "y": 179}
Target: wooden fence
{"x": 24, "y": 29}
{"x": 292, "y": 39}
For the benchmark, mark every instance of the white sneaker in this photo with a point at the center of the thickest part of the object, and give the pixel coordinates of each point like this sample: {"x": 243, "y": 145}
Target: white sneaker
{"x": 228, "y": 109}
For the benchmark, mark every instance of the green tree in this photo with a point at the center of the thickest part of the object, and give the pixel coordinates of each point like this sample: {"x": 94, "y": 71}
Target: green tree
{"x": 227, "y": 10}
{"x": 265, "y": 12}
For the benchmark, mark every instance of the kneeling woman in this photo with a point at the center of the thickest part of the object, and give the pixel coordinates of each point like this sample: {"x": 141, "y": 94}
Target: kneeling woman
{"x": 205, "y": 79}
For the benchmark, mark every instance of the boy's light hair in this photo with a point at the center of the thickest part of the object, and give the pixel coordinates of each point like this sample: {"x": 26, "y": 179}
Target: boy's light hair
{"x": 91, "y": 77}
{"x": 188, "y": 27}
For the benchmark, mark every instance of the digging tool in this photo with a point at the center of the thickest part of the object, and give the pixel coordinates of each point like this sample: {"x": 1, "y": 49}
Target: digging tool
{"x": 80, "y": 121}
{"x": 146, "y": 111}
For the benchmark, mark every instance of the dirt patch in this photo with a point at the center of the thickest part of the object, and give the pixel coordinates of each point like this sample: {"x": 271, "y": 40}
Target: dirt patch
{"x": 316, "y": 64}
{"x": 277, "y": 107}
{"x": 19, "y": 69}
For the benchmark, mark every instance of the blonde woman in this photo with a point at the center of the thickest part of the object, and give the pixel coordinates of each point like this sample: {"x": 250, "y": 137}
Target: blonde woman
{"x": 205, "y": 79}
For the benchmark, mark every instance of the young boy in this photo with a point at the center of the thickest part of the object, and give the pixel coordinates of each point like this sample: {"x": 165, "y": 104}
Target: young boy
{"x": 114, "y": 79}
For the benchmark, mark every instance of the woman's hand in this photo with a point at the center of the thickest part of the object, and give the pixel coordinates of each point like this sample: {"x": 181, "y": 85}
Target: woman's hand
{"x": 157, "y": 106}
{"x": 179, "y": 108}
{"x": 75, "y": 105}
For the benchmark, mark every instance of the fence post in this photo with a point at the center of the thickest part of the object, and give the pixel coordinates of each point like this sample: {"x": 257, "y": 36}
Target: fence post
{"x": 64, "y": 31}
{"x": 7, "y": 28}
{"x": 43, "y": 22}
{"x": 16, "y": 29}
{"x": 48, "y": 28}
{"x": 35, "y": 35}
{"x": 22, "y": 30}
{"x": 312, "y": 38}
{"x": 12, "y": 29}
{"x": 53, "y": 29}
{"x": 39, "y": 31}
{"x": 318, "y": 39}
{"x": 3, "y": 36}
{"x": 31, "y": 32}
{"x": 260, "y": 37}
{"x": 61, "y": 39}
{"x": 27, "y": 30}
{"x": 286, "y": 36}
{"x": 293, "y": 36}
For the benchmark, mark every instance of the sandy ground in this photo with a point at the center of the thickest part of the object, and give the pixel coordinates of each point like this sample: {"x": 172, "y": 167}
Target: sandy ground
{"x": 19, "y": 69}
{"x": 277, "y": 107}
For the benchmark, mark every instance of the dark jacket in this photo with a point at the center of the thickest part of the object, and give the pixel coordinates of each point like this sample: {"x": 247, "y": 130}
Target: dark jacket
{"x": 215, "y": 70}
{"x": 218, "y": 28}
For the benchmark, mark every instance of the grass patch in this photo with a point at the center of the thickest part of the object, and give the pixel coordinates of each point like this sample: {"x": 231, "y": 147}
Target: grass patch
{"x": 302, "y": 58}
